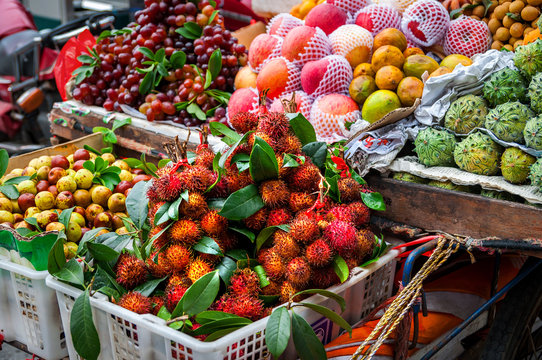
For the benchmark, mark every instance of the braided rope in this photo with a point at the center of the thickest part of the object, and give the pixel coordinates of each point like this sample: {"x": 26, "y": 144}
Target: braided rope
{"x": 404, "y": 301}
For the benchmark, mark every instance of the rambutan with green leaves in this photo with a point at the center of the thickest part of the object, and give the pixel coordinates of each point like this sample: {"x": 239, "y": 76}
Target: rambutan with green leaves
{"x": 195, "y": 207}
{"x": 158, "y": 264}
{"x": 342, "y": 213}
{"x": 178, "y": 257}
{"x": 173, "y": 295}
{"x": 304, "y": 229}
{"x": 273, "y": 264}
{"x": 257, "y": 220}
{"x": 136, "y": 302}
{"x": 167, "y": 187}
{"x": 298, "y": 272}
{"x": 319, "y": 253}
{"x": 245, "y": 282}
{"x": 305, "y": 178}
{"x": 289, "y": 144}
{"x": 285, "y": 245}
{"x": 196, "y": 179}
{"x": 361, "y": 213}
{"x": 300, "y": 201}
{"x": 213, "y": 224}
{"x": 348, "y": 189}
{"x": 157, "y": 302}
{"x": 204, "y": 157}
{"x": 365, "y": 243}
{"x": 278, "y": 217}
{"x": 185, "y": 232}
{"x": 244, "y": 122}
{"x": 197, "y": 268}
{"x": 274, "y": 193}
{"x": 341, "y": 236}
{"x": 287, "y": 291}
{"x": 322, "y": 278}
{"x": 130, "y": 271}
{"x": 243, "y": 305}
{"x": 274, "y": 124}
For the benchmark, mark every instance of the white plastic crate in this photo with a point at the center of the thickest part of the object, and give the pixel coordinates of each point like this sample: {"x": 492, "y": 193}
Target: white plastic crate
{"x": 32, "y": 310}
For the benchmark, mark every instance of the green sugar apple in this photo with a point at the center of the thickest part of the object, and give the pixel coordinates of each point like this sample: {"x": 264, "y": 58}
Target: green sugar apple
{"x": 404, "y": 176}
{"x": 478, "y": 154}
{"x": 435, "y": 147}
{"x": 535, "y": 93}
{"x": 515, "y": 165}
{"x": 528, "y": 58}
{"x": 449, "y": 185}
{"x": 508, "y": 120}
{"x": 465, "y": 114}
{"x": 505, "y": 85}
{"x": 535, "y": 174}
{"x": 500, "y": 195}
{"x": 533, "y": 133}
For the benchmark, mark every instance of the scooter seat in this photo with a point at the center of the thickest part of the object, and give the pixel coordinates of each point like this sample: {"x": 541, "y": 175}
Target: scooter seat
{"x": 10, "y": 46}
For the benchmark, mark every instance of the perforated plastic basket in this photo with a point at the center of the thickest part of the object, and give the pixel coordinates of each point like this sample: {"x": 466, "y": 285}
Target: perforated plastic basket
{"x": 32, "y": 311}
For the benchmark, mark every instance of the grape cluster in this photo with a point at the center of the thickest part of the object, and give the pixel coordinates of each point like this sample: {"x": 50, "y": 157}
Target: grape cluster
{"x": 117, "y": 77}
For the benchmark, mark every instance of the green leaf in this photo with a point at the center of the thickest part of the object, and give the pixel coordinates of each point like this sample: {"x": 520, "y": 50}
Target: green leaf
{"x": 317, "y": 151}
{"x": 71, "y": 273}
{"x": 186, "y": 33}
{"x": 33, "y": 221}
{"x": 263, "y": 163}
{"x": 262, "y": 275}
{"x": 373, "y": 201}
{"x": 16, "y": 180}
{"x": 208, "y": 245}
{"x": 242, "y": 161}
{"x": 4, "y": 161}
{"x": 206, "y": 317}
{"x": 221, "y": 324}
{"x": 84, "y": 335}
{"x": 358, "y": 178}
{"x": 208, "y": 80}
{"x": 331, "y": 315}
{"x": 164, "y": 313}
{"x": 92, "y": 150}
{"x": 266, "y": 233}
{"x": 289, "y": 161}
{"x": 215, "y": 63}
{"x": 89, "y": 235}
{"x": 10, "y": 191}
{"x": 85, "y": 59}
{"x": 160, "y": 55}
{"x": 199, "y": 296}
{"x": 104, "y": 278}
{"x": 230, "y": 136}
{"x": 65, "y": 217}
{"x": 178, "y": 59}
{"x": 101, "y": 252}
{"x": 340, "y": 267}
{"x": 56, "y": 259}
{"x": 244, "y": 231}
{"x": 242, "y": 203}
{"x": 146, "y": 85}
{"x": 173, "y": 211}
{"x": 104, "y": 34}
{"x": 147, "y": 52}
{"x": 339, "y": 299}
{"x": 162, "y": 215}
{"x": 302, "y": 128}
{"x": 230, "y": 151}
{"x": 120, "y": 123}
{"x": 194, "y": 28}
{"x": 195, "y": 110}
{"x": 163, "y": 162}
{"x": 110, "y": 180}
{"x": 307, "y": 344}
{"x": 147, "y": 288}
{"x": 226, "y": 268}
{"x": 220, "y": 333}
{"x": 237, "y": 254}
{"x": 213, "y": 16}
{"x": 89, "y": 165}
{"x": 277, "y": 331}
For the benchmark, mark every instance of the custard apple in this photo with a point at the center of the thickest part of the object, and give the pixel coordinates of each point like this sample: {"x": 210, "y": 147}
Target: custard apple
{"x": 505, "y": 85}
{"x": 535, "y": 175}
{"x": 435, "y": 147}
{"x": 533, "y": 133}
{"x": 465, "y": 114}
{"x": 515, "y": 165}
{"x": 535, "y": 93}
{"x": 478, "y": 154}
{"x": 508, "y": 120}
{"x": 500, "y": 195}
{"x": 528, "y": 58}
{"x": 449, "y": 185}
{"x": 404, "y": 176}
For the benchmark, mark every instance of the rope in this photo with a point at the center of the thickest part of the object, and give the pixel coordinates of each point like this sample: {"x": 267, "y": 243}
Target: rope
{"x": 404, "y": 301}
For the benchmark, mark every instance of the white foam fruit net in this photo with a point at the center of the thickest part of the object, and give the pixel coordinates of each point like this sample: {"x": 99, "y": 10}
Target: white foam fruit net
{"x": 425, "y": 22}
{"x": 399, "y": 5}
{"x": 330, "y": 128}
{"x": 253, "y": 109}
{"x": 281, "y": 24}
{"x": 294, "y": 76}
{"x": 348, "y": 37}
{"x": 467, "y": 36}
{"x": 376, "y": 18}
{"x": 274, "y": 53}
{"x": 317, "y": 47}
{"x": 303, "y": 101}
{"x": 337, "y": 77}
{"x": 350, "y": 6}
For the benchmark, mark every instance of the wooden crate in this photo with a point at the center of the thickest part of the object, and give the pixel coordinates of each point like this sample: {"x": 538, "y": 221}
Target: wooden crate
{"x": 456, "y": 212}
{"x": 140, "y": 137}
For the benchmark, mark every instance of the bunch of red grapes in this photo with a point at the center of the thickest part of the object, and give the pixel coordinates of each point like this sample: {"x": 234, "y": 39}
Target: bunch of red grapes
{"x": 115, "y": 80}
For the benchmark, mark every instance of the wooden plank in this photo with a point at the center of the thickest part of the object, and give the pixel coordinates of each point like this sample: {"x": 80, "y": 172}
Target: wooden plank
{"x": 455, "y": 212}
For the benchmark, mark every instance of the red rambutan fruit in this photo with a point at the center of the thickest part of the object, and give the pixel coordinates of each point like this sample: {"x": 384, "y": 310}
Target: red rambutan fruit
{"x": 305, "y": 177}
{"x": 366, "y": 189}
{"x": 283, "y": 171}
{"x": 287, "y": 291}
{"x": 300, "y": 200}
{"x": 265, "y": 137}
{"x": 136, "y": 302}
{"x": 262, "y": 254}
{"x": 245, "y": 282}
{"x": 130, "y": 271}
{"x": 361, "y": 213}
{"x": 153, "y": 209}
{"x": 178, "y": 257}
{"x": 274, "y": 124}
{"x": 341, "y": 236}
{"x": 323, "y": 278}
{"x": 274, "y": 193}
{"x": 220, "y": 190}
{"x": 211, "y": 259}
{"x": 245, "y": 179}
{"x": 152, "y": 195}
{"x": 319, "y": 253}
{"x": 273, "y": 265}
{"x": 244, "y": 122}
{"x": 289, "y": 144}
{"x": 349, "y": 189}
{"x": 204, "y": 158}
{"x": 195, "y": 207}
{"x": 285, "y": 245}
{"x": 157, "y": 302}
{"x": 365, "y": 243}
{"x": 298, "y": 272}
{"x": 227, "y": 240}
{"x": 342, "y": 213}
{"x": 179, "y": 279}
{"x": 197, "y": 268}
{"x": 352, "y": 262}
{"x": 174, "y": 295}
{"x": 161, "y": 240}
{"x": 214, "y": 224}
{"x": 158, "y": 264}
{"x": 246, "y": 306}
{"x": 304, "y": 229}
{"x": 257, "y": 220}
{"x": 272, "y": 289}
{"x": 196, "y": 178}
{"x": 184, "y": 232}
{"x": 168, "y": 186}
{"x": 278, "y": 217}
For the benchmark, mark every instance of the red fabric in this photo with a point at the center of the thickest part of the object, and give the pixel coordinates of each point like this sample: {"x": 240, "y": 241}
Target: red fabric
{"x": 15, "y": 18}
{"x": 47, "y": 63}
{"x": 67, "y": 59}
{"x": 7, "y": 124}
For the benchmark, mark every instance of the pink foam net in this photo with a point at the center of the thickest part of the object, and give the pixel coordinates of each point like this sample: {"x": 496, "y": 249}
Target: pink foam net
{"x": 467, "y": 36}
{"x": 274, "y": 54}
{"x": 348, "y": 37}
{"x": 286, "y": 22}
{"x": 331, "y": 128}
{"x": 376, "y": 18}
{"x": 399, "y": 5}
{"x": 294, "y": 76}
{"x": 350, "y": 6}
{"x": 425, "y": 22}
{"x": 318, "y": 47}
{"x": 303, "y": 101}
{"x": 253, "y": 110}
{"x": 337, "y": 77}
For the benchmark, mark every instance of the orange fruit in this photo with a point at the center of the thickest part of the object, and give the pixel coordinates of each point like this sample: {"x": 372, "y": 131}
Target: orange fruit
{"x": 361, "y": 87}
{"x": 364, "y": 69}
{"x": 388, "y": 77}
{"x": 392, "y": 37}
{"x": 409, "y": 89}
{"x": 387, "y": 55}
